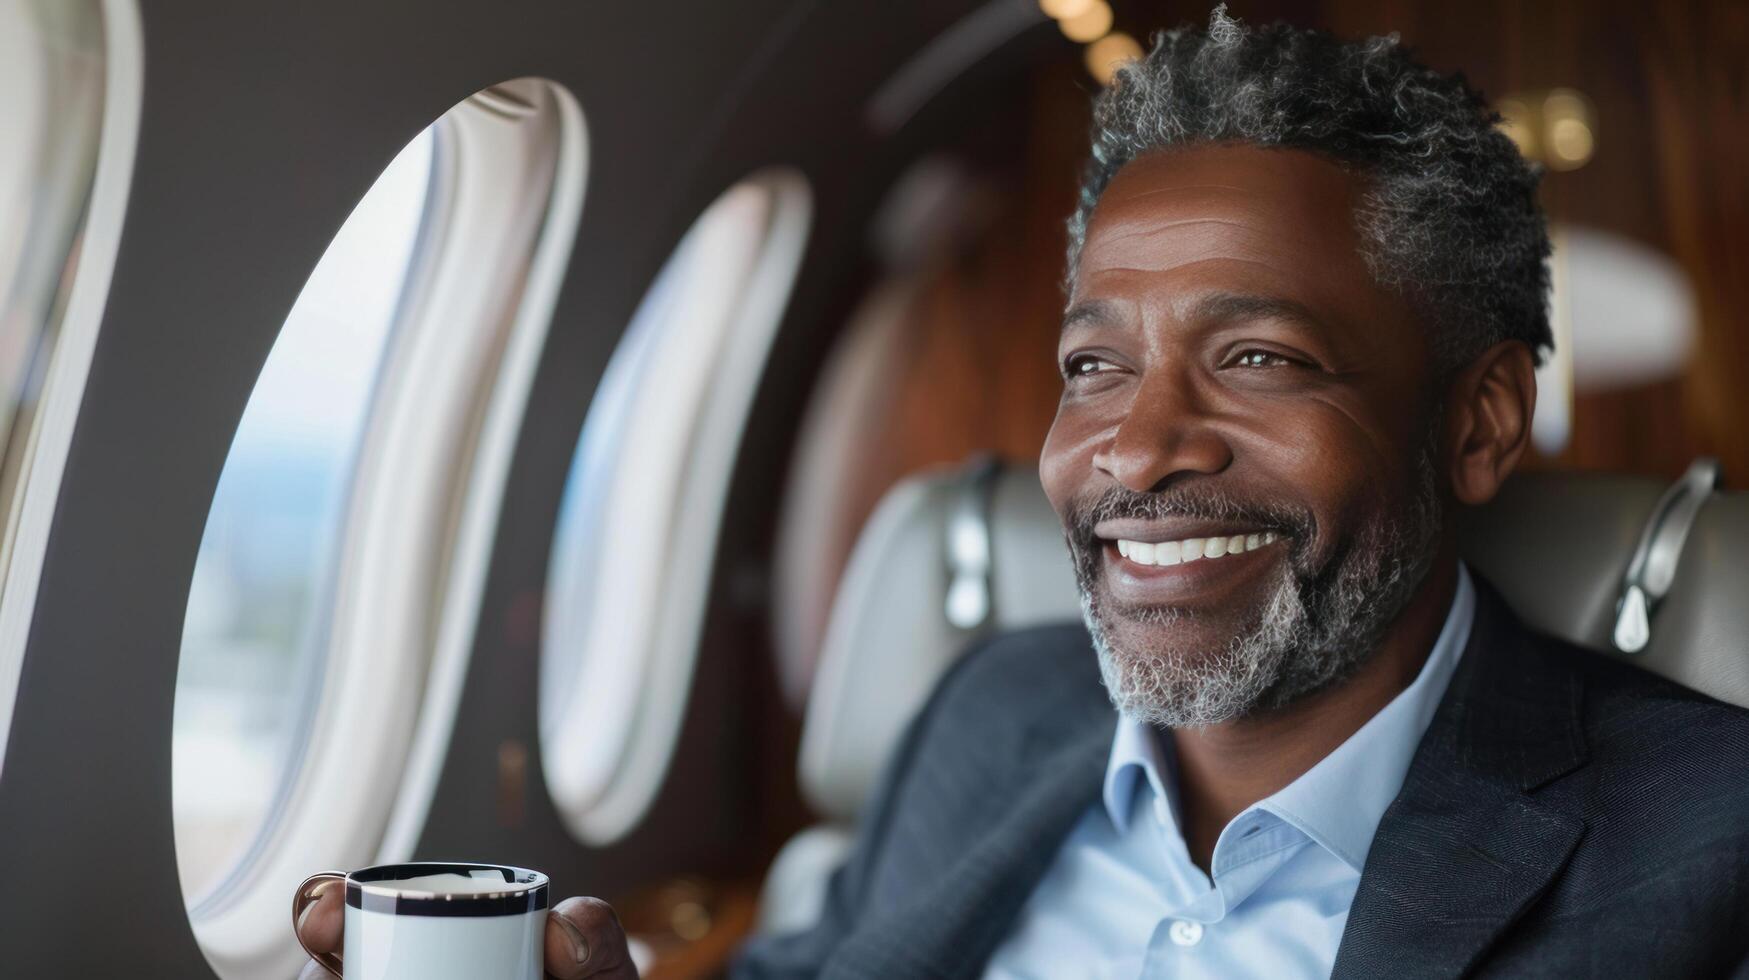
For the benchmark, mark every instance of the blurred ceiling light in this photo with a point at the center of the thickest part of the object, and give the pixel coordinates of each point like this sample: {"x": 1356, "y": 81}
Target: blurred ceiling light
{"x": 1567, "y": 120}
{"x": 1065, "y": 9}
{"x": 1088, "y": 25}
{"x": 1111, "y": 52}
{"x": 1556, "y": 128}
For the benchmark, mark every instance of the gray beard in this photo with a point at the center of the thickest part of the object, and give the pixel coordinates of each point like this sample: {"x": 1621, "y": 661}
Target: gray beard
{"x": 1316, "y": 627}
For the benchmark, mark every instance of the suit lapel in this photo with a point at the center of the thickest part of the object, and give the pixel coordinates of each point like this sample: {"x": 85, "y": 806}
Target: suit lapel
{"x": 956, "y": 922}
{"x": 1465, "y": 848}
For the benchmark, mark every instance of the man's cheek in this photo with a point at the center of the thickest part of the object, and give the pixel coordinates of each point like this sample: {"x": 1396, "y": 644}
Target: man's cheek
{"x": 1062, "y": 471}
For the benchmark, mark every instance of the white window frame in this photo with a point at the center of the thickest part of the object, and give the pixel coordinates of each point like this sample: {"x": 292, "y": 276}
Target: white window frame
{"x": 32, "y": 508}
{"x": 425, "y": 499}
{"x": 607, "y": 751}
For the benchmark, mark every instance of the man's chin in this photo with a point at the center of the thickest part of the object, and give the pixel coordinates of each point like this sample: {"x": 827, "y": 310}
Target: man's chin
{"x": 1191, "y": 691}
{"x": 1180, "y": 667}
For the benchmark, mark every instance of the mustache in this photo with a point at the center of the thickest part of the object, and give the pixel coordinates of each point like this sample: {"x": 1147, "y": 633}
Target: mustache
{"x": 1192, "y": 501}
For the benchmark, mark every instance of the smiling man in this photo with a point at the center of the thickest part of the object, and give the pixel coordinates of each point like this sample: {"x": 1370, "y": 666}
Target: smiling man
{"x": 1306, "y": 300}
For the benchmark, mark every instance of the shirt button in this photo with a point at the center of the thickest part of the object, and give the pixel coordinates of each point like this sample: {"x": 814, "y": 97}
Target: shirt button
{"x": 1185, "y": 933}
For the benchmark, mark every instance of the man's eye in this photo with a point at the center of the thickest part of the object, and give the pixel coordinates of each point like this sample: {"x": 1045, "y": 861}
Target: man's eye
{"x": 1085, "y": 365}
{"x": 1262, "y": 359}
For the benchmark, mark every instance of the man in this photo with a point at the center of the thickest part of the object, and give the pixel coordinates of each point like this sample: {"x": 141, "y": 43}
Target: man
{"x": 1306, "y": 303}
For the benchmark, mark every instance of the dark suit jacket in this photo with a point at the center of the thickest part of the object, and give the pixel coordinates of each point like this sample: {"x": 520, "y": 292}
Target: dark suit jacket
{"x": 1566, "y": 815}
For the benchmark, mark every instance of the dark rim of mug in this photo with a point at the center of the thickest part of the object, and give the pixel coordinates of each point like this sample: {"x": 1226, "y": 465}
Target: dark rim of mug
{"x": 369, "y": 890}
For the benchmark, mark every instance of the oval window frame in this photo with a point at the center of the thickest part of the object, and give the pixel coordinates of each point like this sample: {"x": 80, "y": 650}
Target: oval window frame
{"x": 603, "y": 777}
{"x": 381, "y": 721}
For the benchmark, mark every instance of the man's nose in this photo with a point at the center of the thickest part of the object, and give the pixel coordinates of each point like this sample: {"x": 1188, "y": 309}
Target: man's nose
{"x": 1167, "y": 431}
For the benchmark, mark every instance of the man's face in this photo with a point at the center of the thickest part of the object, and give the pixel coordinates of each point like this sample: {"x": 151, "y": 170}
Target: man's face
{"x": 1234, "y": 374}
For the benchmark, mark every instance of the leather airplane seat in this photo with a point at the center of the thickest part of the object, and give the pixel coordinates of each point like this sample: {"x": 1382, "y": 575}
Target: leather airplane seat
{"x": 1624, "y": 565}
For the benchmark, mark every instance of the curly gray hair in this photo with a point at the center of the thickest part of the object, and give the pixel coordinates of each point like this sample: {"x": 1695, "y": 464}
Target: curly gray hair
{"x": 1449, "y": 215}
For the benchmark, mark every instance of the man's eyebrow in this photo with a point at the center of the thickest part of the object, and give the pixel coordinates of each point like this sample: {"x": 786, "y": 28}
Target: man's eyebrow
{"x": 1218, "y": 307}
{"x": 1090, "y": 313}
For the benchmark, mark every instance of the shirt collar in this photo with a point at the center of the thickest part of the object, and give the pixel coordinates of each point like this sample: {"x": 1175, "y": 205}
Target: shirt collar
{"x": 1339, "y": 802}
{"x": 1138, "y": 758}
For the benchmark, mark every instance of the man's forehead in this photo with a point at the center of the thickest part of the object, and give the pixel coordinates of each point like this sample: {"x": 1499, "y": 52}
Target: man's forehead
{"x": 1286, "y": 214}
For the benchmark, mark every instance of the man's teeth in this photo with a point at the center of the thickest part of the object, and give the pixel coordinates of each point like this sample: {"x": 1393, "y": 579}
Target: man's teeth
{"x": 1191, "y": 549}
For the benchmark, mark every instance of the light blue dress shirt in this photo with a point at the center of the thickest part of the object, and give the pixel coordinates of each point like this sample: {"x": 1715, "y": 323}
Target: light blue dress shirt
{"x": 1124, "y": 900}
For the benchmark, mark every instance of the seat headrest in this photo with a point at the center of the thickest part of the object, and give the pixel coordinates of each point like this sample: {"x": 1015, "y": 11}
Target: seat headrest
{"x": 954, "y": 552}
{"x": 890, "y": 637}
{"x": 1559, "y": 546}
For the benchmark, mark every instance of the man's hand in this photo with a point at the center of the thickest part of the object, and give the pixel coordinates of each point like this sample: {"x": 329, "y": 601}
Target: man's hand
{"x": 584, "y": 938}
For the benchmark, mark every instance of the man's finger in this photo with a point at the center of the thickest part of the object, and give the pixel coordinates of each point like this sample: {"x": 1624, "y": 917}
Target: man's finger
{"x": 584, "y": 939}
{"x": 323, "y": 921}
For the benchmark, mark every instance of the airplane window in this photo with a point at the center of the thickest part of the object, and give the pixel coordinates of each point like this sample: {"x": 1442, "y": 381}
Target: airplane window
{"x": 69, "y": 113}
{"x": 254, "y": 633}
{"x": 340, "y": 573}
{"x": 51, "y": 107}
{"x": 631, "y": 562}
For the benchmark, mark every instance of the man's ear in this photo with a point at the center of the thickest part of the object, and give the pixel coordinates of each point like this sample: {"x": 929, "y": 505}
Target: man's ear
{"x": 1488, "y": 412}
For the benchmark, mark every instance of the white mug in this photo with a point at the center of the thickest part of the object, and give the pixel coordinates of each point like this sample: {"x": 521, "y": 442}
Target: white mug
{"x": 437, "y": 921}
